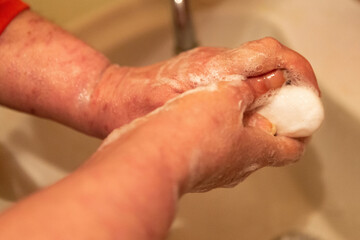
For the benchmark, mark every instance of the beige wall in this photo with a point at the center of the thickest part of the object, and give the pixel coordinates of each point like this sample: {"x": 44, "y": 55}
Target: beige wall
{"x": 64, "y": 12}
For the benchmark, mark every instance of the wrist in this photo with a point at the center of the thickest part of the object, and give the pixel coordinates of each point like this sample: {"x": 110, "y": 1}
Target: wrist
{"x": 124, "y": 94}
{"x": 142, "y": 190}
{"x": 106, "y": 105}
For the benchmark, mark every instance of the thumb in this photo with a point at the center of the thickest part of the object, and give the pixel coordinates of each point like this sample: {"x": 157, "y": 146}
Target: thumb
{"x": 256, "y": 120}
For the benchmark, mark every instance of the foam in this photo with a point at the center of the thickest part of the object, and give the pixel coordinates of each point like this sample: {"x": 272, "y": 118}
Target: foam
{"x": 296, "y": 111}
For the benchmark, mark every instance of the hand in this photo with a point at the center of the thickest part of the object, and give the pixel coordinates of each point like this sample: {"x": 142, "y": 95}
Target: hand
{"x": 203, "y": 137}
{"x": 77, "y": 86}
{"x": 124, "y": 94}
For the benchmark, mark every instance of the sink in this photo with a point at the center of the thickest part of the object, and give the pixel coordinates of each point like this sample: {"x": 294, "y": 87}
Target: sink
{"x": 317, "y": 196}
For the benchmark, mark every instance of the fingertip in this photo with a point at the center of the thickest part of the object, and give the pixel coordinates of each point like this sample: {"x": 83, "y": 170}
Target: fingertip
{"x": 276, "y": 150}
{"x": 289, "y": 150}
{"x": 258, "y": 121}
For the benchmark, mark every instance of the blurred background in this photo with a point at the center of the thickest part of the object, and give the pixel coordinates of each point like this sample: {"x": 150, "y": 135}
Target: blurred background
{"x": 316, "y": 198}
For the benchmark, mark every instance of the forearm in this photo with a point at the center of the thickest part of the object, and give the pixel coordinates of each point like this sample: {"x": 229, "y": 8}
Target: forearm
{"x": 127, "y": 190}
{"x": 109, "y": 203}
{"x": 47, "y": 72}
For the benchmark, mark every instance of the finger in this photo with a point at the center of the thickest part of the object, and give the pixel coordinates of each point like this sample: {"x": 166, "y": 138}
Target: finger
{"x": 258, "y": 121}
{"x": 274, "y": 150}
{"x": 263, "y": 83}
{"x": 262, "y": 56}
{"x": 228, "y": 101}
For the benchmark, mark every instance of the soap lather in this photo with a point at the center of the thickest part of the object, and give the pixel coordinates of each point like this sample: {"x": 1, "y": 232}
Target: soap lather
{"x": 296, "y": 111}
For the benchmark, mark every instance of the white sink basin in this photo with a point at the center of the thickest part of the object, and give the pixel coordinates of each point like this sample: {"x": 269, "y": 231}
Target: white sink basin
{"x": 318, "y": 196}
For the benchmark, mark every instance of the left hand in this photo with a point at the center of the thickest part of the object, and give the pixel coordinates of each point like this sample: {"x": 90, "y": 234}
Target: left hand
{"x": 124, "y": 94}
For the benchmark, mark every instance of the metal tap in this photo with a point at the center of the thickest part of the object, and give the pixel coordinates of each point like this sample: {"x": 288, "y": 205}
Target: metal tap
{"x": 183, "y": 27}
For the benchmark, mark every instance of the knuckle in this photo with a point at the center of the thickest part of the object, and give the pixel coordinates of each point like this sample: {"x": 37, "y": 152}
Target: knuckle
{"x": 271, "y": 42}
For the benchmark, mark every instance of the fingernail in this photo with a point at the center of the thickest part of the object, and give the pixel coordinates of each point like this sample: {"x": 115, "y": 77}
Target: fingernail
{"x": 264, "y": 83}
{"x": 258, "y": 121}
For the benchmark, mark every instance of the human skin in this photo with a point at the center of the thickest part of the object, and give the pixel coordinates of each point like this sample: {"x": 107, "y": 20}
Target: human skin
{"x": 202, "y": 139}
{"x": 130, "y": 187}
{"x": 49, "y": 73}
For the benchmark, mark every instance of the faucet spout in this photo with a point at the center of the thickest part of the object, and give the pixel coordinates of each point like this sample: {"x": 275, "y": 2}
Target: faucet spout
{"x": 183, "y": 27}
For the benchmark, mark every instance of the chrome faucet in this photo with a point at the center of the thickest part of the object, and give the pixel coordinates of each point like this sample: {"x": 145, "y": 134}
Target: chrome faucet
{"x": 183, "y": 27}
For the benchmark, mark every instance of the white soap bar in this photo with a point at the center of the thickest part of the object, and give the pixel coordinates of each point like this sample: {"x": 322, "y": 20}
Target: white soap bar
{"x": 296, "y": 111}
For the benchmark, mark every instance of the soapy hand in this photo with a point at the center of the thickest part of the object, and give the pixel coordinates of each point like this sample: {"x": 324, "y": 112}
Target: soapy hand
{"x": 223, "y": 137}
{"x": 208, "y": 143}
{"x": 124, "y": 94}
